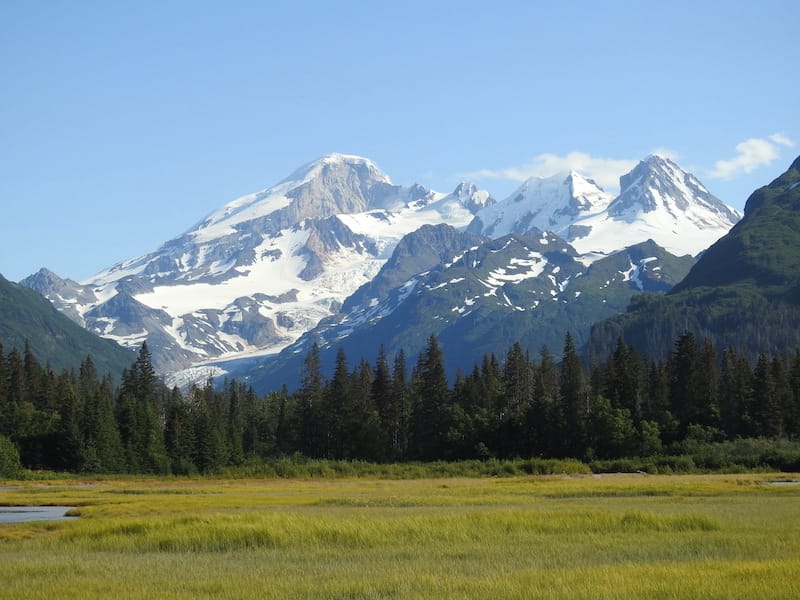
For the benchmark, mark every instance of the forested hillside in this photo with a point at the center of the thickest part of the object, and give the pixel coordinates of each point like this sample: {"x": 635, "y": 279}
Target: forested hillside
{"x": 28, "y": 318}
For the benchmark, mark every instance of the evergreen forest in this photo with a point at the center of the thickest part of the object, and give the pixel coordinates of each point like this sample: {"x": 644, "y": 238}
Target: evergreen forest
{"x": 514, "y": 406}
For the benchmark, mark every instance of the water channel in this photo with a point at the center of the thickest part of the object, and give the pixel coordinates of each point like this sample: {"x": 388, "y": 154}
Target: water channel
{"x": 21, "y": 514}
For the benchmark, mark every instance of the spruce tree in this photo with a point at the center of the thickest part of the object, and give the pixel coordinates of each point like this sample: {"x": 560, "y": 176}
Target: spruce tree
{"x": 781, "y": 377}
{"x": 66, "y": 448}
{"x": 209, "y": 448}
{"x": 140, "y": 414}
{"x": 15, "y": 395}
{"x": 102, "y": 445}
{"x": 518, "y": 397}
{"x": 310, "y": 427}
{"x": 234, "y": 427}
{"x": 179, "y": 434}
{"x": 683, "y": 365}
{"x": 381, "y": 394}
{"x": 338, "y": 410}
{"x": 400, "y": 411}
{"x": 625, "y": 380}
{"x": 706, "y": 387}
{"x": 573, "y": 402}
{"x": 364, "y": 423}
{"x": 543, "y": 433}
{"x": 469, "y": 395}
{"x": 766, "y": 405}
{"x": 286, "y": 421}
{"x": 430, "y": 408}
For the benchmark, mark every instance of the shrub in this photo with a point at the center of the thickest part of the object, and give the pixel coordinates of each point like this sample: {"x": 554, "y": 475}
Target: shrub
{"x": 10, "y": 467}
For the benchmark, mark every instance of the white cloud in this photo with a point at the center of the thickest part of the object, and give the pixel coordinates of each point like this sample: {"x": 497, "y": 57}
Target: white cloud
{"x": 605, "y": 171}
{"x": 750, "y": 155}
{"x": 781, "y": 139}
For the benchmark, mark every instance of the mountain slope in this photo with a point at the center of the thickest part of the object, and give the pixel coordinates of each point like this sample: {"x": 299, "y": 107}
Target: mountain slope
{"x": 53, "y": 338}
{"x": 764, "y": 249}
{"x": 744, "y": 291}
{"x": 530, "y": 289}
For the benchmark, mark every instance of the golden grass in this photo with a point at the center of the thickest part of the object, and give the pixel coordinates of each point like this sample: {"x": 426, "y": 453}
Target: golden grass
{"x": 629, "y": 536}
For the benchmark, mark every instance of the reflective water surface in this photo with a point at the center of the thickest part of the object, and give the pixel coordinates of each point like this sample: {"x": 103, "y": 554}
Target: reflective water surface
{"x": 20, "y": 514}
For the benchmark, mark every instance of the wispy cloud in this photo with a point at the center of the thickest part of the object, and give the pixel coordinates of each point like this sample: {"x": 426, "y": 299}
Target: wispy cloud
{"x": 605, "y": 171}
{"x": 750, "y": 155}
{"x": 781, "y": 139}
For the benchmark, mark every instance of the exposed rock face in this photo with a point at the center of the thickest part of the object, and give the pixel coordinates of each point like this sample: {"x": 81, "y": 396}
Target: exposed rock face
{"x": 65, "y": 294}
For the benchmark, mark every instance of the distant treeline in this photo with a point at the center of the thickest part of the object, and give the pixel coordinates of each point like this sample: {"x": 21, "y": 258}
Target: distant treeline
{"x": 516, "y": 406}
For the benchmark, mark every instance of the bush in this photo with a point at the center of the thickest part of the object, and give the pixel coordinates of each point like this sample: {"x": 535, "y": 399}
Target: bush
{"x": 748, "y": 453}
{"x": 10, "y": 467}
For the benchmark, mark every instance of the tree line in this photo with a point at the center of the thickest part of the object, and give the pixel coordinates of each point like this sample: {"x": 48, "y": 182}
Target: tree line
{"x": 516, "y": 406}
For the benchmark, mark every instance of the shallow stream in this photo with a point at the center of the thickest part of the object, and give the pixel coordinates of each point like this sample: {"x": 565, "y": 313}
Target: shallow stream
{"x": 21, "y": 514}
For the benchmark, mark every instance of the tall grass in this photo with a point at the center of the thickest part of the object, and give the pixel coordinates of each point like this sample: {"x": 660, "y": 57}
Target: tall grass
{"x": 557, "y": 536}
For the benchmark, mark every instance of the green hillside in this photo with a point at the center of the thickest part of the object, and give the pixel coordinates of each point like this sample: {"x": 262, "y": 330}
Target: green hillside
{"x": 53, "y": 338}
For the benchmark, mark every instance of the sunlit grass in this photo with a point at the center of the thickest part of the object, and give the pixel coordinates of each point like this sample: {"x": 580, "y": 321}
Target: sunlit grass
{"x": 633, "y": 536}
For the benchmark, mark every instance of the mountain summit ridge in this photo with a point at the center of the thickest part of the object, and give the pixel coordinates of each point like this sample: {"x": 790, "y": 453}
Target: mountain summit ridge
{"x": 657, "y": 201}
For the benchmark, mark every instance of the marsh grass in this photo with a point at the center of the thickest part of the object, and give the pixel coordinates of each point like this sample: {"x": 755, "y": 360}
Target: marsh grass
{"x": 628, "y": 536}
{"x": 297, "y": 466}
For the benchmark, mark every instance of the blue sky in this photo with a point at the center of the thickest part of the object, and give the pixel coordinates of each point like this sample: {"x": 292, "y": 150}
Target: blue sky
{"x": 124, "y": 123}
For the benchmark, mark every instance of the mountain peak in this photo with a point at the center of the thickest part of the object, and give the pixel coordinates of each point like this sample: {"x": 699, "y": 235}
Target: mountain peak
{"x": 657, "y": 183}
{"x": 338, "y": 162}
{"x": 548, "y": 203}
{"x": 656, "y": 158}
{"x": 657, "y": 200}
{"x": 471, "y": 197}
{"x": 333, "y": 184}
{"x": 45, "y": 275}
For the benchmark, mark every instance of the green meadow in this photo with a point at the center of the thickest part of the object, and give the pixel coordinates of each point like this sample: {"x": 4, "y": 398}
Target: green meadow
{"x": 557, "y": 536}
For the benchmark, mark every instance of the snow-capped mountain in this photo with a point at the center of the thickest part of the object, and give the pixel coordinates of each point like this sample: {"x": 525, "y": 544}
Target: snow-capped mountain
{"x": 657, "y": 201}
{"x": 328, "y": 249}
{"x": 254, "y": 275}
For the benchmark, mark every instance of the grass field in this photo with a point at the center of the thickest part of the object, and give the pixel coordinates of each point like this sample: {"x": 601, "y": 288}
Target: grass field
{"x": 583, "y": 536}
